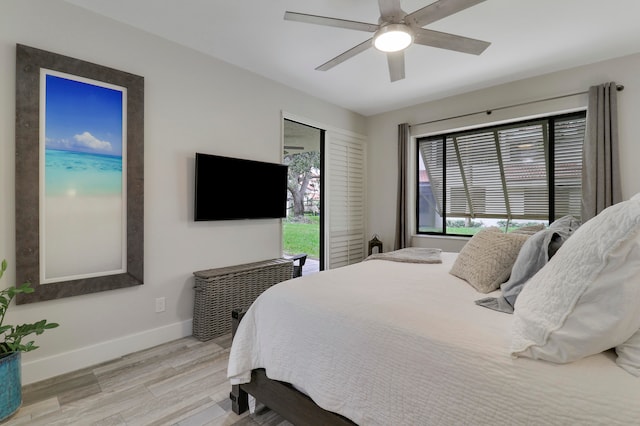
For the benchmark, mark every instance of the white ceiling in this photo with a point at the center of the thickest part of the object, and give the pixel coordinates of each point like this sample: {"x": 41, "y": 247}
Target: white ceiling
{"x": 529, "y": 37}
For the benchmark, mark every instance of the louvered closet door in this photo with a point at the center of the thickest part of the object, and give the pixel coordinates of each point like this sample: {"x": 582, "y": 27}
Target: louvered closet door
{"x": 345, "y": 178}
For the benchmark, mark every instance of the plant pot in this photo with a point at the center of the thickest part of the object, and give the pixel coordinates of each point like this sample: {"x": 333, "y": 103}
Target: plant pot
{"x": 11, "y": 389}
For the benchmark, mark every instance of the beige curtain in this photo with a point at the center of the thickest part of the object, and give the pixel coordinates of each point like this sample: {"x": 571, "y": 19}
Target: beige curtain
{"x": 401, "y": 216}
{"x": 600, "y": 168}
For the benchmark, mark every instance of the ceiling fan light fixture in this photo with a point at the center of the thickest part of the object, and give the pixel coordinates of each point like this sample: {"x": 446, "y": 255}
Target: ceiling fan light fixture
{"x": 393, "y": 38}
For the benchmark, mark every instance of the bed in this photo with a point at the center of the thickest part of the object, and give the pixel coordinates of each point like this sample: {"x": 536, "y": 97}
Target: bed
{"x": 392, "y": 343}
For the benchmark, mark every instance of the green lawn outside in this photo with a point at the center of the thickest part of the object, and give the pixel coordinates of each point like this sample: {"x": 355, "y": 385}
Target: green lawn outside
{"x": 302, "y": 237}
{"x": 463, "y": 230}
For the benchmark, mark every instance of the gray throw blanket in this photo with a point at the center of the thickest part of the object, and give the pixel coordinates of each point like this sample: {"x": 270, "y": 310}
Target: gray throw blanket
{"x": 410, "y": 255}
{"x": 534, "y": 254}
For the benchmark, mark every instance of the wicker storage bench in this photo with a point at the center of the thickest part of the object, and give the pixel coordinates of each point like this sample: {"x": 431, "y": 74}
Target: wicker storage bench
{"x": 220, "y": 290}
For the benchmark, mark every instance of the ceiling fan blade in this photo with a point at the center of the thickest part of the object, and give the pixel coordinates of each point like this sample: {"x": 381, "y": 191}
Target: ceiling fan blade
{"x": 450, "y": 41}
{"x": 331, "y": 22}
{"x": 396, "y": 65}
{"x": 438, "y": 10}
{"x": 390, "y": 10}
{"x": 346, "y": 55}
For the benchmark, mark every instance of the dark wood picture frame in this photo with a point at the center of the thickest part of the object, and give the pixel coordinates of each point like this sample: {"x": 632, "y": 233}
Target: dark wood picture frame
{"x": 29, "y": 62}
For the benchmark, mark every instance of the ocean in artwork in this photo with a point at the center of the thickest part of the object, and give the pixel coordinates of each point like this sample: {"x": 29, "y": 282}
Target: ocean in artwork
{"x": 82, "y": 174}
{"x": 83, "y": 207}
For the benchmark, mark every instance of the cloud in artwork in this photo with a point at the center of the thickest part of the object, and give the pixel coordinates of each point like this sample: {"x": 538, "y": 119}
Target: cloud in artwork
{"x": 59, "y": 143}
{"x": 87, "y": 140}
{"x": 84, "y": 142}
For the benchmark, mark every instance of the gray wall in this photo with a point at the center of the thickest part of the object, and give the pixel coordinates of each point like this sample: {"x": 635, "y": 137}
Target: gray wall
{"x": 382, "y": 129}
{"x": 192, "y": 103}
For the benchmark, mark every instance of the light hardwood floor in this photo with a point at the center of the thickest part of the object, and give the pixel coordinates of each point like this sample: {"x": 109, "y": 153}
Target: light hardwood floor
{"x": 179, "y": 383}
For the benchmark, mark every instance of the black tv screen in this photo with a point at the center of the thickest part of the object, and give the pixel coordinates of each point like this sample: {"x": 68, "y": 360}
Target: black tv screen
{"x": 233, "y": 188}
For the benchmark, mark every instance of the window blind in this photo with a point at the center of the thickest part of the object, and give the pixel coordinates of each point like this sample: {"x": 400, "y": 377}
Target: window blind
{"x": 505, "y": 172}
{"x": 569, "y": 139}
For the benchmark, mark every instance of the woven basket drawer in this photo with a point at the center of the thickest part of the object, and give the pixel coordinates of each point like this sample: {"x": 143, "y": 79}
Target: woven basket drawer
{"x": 220, "y": 290}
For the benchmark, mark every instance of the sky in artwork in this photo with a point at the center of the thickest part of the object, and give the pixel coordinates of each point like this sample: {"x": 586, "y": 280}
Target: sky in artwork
{"x": 82, "y": 117}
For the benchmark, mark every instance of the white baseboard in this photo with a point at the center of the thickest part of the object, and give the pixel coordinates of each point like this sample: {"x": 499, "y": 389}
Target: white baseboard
{"x": 55, "y": 365}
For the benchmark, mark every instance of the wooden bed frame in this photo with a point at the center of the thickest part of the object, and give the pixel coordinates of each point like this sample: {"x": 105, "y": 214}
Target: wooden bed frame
{"x": 280, "y": 397}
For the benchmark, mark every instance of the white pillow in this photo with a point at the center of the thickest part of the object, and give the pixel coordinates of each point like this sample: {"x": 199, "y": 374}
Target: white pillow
{"x": 629, "y": 354}
{"x": 587, "y": 298}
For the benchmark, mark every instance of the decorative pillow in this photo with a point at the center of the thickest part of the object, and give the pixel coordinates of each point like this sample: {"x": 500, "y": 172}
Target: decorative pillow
{"x": 535, "y": 253}
{"x": 587, "y": 298}
{"x": 486, "y": 260}
{"x": 629, "y": 354}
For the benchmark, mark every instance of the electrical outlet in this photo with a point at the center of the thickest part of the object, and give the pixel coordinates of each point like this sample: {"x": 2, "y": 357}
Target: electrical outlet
{"x": 160, "y": 304}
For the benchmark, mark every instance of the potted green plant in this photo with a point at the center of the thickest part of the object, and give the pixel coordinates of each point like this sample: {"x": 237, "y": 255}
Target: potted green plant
{"x": 11, "y": 346}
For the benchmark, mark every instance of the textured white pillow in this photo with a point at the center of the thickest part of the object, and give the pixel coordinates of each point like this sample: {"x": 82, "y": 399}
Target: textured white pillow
{"x": 629, "y": 354}
{"x": 486, "y": 260}
{"x": 587, "y": 298}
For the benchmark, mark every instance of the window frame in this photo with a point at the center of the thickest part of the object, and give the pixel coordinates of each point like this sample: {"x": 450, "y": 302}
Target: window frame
{"x": 550, "y": 120}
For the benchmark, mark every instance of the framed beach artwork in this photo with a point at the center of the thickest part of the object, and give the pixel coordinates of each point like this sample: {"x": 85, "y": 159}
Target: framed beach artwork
{"x": 79, "y": 176}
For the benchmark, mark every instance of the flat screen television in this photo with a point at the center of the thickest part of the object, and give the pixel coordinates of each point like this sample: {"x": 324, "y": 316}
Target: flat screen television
{"x": 233, "y": 188}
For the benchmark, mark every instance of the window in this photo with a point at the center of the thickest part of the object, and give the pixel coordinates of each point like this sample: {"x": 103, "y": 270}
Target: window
{"x": 508, "y": 175}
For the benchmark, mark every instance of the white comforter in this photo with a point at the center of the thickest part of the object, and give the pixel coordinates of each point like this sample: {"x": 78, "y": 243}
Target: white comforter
{"x": 388, "y": 343}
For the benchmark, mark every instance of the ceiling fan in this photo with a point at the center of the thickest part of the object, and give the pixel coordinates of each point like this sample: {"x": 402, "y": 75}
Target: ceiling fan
{"x": 396, "y": 30}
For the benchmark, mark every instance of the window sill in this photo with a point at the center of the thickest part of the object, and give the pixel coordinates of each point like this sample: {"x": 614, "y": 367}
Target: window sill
{"x": 444, "y": 237}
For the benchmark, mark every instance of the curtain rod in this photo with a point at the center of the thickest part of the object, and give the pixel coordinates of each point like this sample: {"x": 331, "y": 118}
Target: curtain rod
{"x": 619, "y": 88}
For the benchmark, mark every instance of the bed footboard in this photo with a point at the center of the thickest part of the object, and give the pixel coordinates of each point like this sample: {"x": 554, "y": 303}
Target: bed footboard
{"x": 280, "y": 397}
